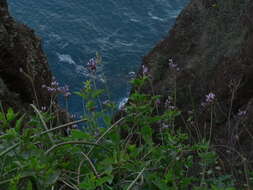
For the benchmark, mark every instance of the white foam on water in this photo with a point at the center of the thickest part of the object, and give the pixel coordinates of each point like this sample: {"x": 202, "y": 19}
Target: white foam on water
{"x": 65, "y": 58}
{"x": 155, "y": 17}
{"x": 122, "y": 103}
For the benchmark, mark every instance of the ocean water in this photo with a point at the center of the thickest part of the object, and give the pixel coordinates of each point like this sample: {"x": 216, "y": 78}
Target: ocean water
{"x": 122, "y": 31}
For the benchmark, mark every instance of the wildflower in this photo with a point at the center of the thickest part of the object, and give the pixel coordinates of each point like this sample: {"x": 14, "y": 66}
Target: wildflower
{"x": 92, "y": 65}
{"x": 55, "y": 88}
{"x": 172, "y": 64}
{"x": 73, "y": 116}
{"x": 168, "y": 102}
{"x": 144, "y": 70}
{"x": 158, "y": 102}
{"x": 43, "y": 108}
{"x": 65, "y": 91}
{"x": 241, "y": 113}
{"x": 54, "y": 83}
{"x": 210, "y": 98}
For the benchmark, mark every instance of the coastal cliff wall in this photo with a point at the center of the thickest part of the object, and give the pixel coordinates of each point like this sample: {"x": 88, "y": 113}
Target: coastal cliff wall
{"x": 211, "y": 45}
{"x": 23, "y": 64}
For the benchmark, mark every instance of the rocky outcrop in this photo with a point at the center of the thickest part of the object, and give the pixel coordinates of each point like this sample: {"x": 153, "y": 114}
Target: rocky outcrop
{"x": 211, "y": 46}
{"x": 24, "y": 69}
{"x": 23, "y": 65}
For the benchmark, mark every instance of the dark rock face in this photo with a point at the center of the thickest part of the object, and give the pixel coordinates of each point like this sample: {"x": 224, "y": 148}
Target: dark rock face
{"x": 212, "y": 45}
{"x": 23, "y": 65}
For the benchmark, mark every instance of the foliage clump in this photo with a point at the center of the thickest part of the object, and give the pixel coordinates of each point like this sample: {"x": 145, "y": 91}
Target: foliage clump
{"x": 143, "y": 150}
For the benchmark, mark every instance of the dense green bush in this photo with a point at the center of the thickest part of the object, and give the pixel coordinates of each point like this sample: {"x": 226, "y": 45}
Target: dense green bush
{"x": 141, "y": 151}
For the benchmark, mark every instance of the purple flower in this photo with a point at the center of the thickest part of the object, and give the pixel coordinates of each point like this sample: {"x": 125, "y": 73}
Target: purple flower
{"x": 144, "y": 70}
{"x": 54, "y": 83}
{"x": 167, "y": 103}
{"x": 92, "y": 65}
{"x": 172, "y": 64}
{"x": 65, "y": 91}
{"x": 55, "y": 88}
{"x": 158, "y": 102}
{"x": 241, "y": 113}
{"x": 210, "y": 98}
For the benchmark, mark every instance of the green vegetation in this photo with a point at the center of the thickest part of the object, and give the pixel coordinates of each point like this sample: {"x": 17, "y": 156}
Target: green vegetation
{"x": 143, "y": 150}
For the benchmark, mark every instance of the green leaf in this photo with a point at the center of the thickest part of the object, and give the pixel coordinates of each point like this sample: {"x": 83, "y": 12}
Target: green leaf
{"x": 107, "y": 120}
{"x": 78, "y": 134}
{"x": 19, "y": 123}
{"x": 52, "y": 177}
{"x": 2, "y": 117}
{"x": 115, "y": 137}
{"x": 10, "y": 115}
{"x": 102, "y": 180}
{"x": 88, "y": 184}
{"x": 97, "y": 93}
{"x": 146, "y": 132}
{"x": 90, "y": 105}
{"x": 29, "y": 185}
{"x": 160, "y": 183}
{"x": 169, "y": 178}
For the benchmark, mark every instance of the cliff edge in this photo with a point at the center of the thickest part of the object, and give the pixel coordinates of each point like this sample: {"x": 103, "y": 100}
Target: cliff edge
{"x": 23, "y": 65}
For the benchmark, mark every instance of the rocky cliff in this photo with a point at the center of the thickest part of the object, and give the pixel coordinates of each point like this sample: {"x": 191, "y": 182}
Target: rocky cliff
{"x": 211, "y": 46}
{"x": 23, "y": 65}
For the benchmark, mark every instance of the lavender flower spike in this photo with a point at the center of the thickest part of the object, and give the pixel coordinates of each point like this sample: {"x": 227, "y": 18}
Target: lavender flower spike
{"x": 210, "y": 97}
{"x": 144, "y": 70}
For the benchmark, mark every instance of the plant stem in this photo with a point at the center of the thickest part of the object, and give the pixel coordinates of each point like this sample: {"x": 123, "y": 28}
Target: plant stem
{"x": 135, "y": 180}
{"x": 43, "y": 122}
{"x": 72, "y": 142}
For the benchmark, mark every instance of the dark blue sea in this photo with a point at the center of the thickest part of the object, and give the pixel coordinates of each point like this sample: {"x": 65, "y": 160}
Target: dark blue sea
{"x": 122, "y": 31}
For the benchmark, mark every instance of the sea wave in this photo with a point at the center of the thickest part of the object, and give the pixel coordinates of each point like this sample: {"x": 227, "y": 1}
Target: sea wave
{"x": 65, "y": 58}
{"x": 122, "y": 31}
